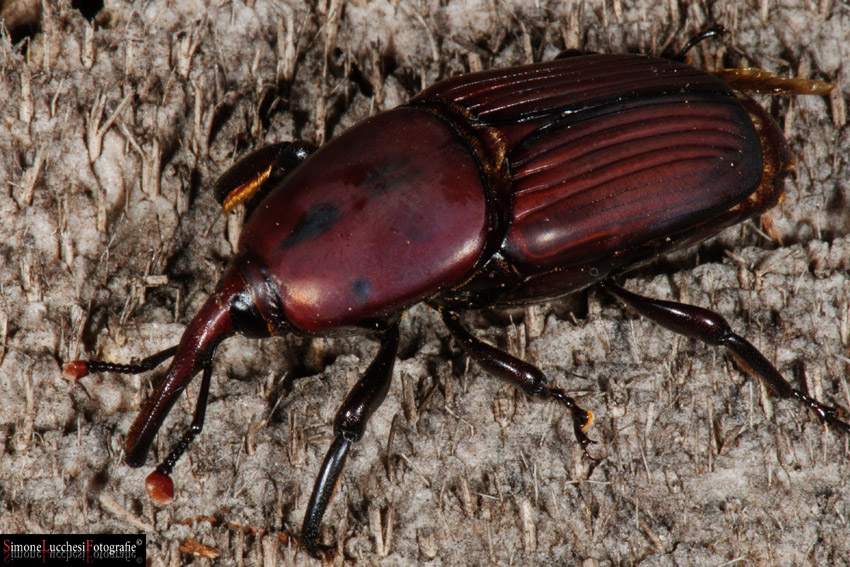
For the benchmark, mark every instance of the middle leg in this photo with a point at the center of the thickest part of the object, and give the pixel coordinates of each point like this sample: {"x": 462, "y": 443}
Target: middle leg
{"x": 518, "y": 373}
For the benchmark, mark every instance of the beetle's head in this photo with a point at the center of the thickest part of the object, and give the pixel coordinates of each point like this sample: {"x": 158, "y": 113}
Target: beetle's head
{"x": 255, "y": 306}
{"x": 246, "y": 302}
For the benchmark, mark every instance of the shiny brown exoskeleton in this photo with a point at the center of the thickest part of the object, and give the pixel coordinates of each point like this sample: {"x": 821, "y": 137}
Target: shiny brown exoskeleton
{"x": 505, "y": 186}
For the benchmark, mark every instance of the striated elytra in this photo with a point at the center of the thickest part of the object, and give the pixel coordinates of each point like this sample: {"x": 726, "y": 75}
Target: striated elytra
{"x": 491, "y": 188}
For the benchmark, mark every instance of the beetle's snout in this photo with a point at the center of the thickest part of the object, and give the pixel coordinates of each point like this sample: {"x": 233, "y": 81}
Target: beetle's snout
{"x": 195, "y": 352}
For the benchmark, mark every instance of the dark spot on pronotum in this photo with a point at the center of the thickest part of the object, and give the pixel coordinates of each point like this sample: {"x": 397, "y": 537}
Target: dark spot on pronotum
{"x": 392, "y": 175}
{"x": 315, "y": 222}
{"x": 362, "y": 289}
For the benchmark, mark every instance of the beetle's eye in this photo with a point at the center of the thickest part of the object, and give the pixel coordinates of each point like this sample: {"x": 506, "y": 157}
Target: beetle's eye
{"x": 246, "y": 318}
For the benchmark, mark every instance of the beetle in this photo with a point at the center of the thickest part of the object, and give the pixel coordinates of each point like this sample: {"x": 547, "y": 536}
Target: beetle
{"x": 490, "y": 188}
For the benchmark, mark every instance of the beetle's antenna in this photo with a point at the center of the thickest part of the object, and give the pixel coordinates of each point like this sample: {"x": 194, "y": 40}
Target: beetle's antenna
{"x": 159, "y": 485}
{"x": 77, "y": 369}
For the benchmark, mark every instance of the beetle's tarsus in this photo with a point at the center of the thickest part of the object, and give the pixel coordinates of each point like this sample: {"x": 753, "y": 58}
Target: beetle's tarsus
{"x": 519, "y": 374}
{"x": 828, "y": 415}
{"x": 325, "y": 553}
{"x": 714, "y": 31}
{"x": 830, "y": 418}
{"x": 582, "y": 420}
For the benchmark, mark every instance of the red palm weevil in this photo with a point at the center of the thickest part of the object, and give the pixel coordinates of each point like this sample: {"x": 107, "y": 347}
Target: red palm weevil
{"x": 490, "y": 188}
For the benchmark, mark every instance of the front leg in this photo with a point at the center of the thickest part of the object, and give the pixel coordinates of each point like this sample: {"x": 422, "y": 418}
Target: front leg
{"x": 518, "y": 373}
{"x": 350, "y": 422}
{"x": 259, "y": 171}
{"x": 710, "y": 327}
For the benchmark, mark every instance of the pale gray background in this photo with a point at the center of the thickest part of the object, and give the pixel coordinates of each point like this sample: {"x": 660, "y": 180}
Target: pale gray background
{"x": 110, "y": 239}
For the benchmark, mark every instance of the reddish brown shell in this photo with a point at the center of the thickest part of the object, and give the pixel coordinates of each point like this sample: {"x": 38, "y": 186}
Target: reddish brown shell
{"x": 637, "y": 171}
{"x": 609, "y": 153}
